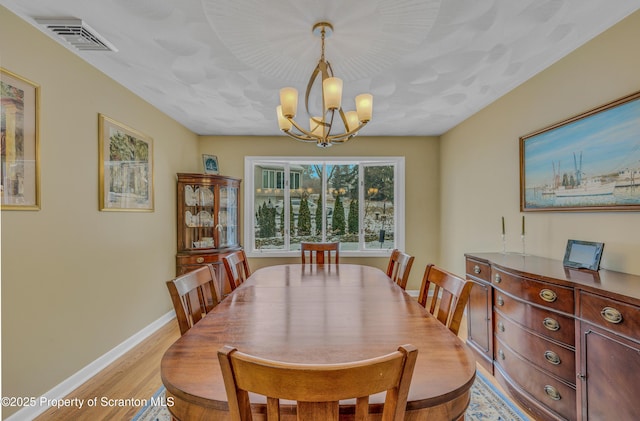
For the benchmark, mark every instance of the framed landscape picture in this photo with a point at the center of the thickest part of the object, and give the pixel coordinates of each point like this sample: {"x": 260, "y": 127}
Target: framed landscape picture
{"x": 590, "y": 162}
{"x": 19, "y": 121}
{"x": 126, "y": 167}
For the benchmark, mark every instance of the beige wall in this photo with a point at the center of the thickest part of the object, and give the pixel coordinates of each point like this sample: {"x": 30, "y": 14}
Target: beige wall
{"x": 76, "y": 282}
{"x": 421, "y": 174}
{"x": 480, "y": 159}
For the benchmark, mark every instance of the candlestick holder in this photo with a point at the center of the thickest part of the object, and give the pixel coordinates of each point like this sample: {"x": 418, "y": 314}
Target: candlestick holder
{"x": 523, "y": 245}
{"x": 504, "y": 244}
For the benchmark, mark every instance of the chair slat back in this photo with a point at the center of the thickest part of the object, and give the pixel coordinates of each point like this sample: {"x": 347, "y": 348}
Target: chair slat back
{"x": 193, "y": 295}
{"x": 447, "y": 298}
{"x": 320, "y": 253}
{"x": 399, "y": 267}
{"x": 236, "y": 268}
{"x": 317, "y": 388}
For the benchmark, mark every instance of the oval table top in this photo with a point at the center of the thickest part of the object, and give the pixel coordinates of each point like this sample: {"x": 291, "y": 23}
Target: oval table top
{"x": 319, "y": 314}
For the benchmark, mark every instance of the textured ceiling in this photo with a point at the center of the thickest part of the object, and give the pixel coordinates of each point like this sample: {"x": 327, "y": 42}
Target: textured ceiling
{"x": 216, "y": 66}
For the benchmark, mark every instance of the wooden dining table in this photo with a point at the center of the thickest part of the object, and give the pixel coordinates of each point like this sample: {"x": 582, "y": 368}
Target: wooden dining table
{"x": 319, "y": 314}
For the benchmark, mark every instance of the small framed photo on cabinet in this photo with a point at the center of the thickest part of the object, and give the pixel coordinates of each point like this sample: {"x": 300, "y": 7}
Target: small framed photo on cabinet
{"x": 210, "y": 163}
{"x": 583, "y": 255}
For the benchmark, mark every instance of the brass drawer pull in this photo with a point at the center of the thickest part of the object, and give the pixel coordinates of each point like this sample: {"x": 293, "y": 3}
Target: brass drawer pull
{"x": 552, "y": 357}
{"x": 552, "y": 392}
{"x": 500, "y": 327}
{"x": 500, "y": 301}
{"x": 548, "y": 295}
{"x": 551, "y": 324}
{"x": 200, "y": 260}
{"x": 497, "y": 278}
{"x": 477, "y": 270}
{"x": 611, "y": 315}
{"x": 501, "y": 354}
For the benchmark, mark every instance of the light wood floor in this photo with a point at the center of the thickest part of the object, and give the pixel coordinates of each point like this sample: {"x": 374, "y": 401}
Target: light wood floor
{"x": 136, "y": 375}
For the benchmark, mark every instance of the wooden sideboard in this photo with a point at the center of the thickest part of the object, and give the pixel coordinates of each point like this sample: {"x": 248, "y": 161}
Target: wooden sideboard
{"x": 565, "y": 343}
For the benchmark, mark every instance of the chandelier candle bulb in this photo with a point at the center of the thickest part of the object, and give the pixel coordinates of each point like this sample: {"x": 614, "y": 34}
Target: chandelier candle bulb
{"x": 332, "y": 88}
{"x": 289, "y": 101}
{"x": 364, "y": 106}
{"x": 352, "y": 120}
{"x": 283, "y": 122}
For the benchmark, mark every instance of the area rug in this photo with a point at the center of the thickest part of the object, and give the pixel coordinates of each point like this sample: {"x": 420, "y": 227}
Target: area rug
{"x": 487, "y": 404}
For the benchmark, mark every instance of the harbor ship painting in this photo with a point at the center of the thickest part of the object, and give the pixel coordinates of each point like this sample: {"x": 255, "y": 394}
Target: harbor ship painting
{"x": 589, "y": 162}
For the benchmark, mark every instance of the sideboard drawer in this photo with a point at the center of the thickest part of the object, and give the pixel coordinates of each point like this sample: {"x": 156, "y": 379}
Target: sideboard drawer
{"x": 547, "y": 355}
{"x": 546, "y": 389}
{"x": 477, "y": 269}
{"x": 614, "y": 315}
{"x": 545, "y": 322}
{"x": 537, "y": 292}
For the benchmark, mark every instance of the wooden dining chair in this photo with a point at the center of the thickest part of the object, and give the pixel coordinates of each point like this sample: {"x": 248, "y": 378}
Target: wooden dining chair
{"x": 194, "y": 294}
{"x": 237, "y": 268}
{"x": 320, "y": 253}
{"x": 317, "y": 388}
{"x": 399, "y": 267}
{"x": 448, "y": 298}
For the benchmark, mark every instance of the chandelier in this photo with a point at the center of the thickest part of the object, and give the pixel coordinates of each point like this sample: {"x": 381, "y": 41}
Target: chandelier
{"x": 321, "y": 127}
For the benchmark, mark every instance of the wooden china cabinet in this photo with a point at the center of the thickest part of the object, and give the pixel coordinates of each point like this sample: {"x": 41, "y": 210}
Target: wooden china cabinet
{"x": 208, "y": 221}
{"x": 565, "y": 343}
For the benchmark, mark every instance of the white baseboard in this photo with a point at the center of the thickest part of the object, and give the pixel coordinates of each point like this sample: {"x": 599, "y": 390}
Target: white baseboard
{"x": 73, "y": 382}
{"x": 413, "y": 293}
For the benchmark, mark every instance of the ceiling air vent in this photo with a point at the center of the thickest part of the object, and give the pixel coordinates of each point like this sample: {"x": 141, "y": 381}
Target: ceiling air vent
{"x": 77, "y": 33}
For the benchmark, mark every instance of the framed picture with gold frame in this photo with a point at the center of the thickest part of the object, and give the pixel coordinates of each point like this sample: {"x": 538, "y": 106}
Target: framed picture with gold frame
{"x": 126, "y": 167}
{"x": 589, "y": 162}
{"x": 19, "y": 117}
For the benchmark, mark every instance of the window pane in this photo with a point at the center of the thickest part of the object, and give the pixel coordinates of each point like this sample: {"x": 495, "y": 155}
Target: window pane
{"x": 268, "y": 232}
{"x": 342, "y": 199}
{"x": 306, "y": 182}
{"x": 379, "y": 227}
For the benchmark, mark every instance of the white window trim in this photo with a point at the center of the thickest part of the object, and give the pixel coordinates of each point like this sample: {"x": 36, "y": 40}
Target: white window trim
{"x": 250, "y": 188}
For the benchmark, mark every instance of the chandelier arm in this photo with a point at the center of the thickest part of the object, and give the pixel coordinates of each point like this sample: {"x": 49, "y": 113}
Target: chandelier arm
{"x": 299, "y": 137}
{"x": 349, "y": 134}
{"x": 330, "y": 124}
{"x": 312, "y": 80}
{"x": 304, "y": 132}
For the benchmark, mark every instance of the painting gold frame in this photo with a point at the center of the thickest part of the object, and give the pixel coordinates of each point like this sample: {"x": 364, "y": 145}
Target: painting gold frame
{"x": 19, "y": 117}
{"x": 589, "y": 162}
{"x": 126, "y": 167}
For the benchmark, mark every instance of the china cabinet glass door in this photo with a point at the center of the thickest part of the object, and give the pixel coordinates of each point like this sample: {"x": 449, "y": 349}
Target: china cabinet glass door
{"x": 198, "y": 216}
{"x": 228, "y": 217}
